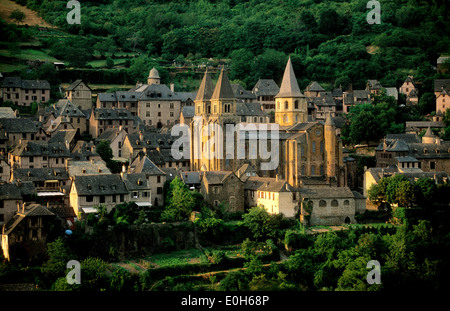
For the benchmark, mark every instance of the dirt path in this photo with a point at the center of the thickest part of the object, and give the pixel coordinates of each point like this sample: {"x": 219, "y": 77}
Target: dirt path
{"x": 31, "y": 17}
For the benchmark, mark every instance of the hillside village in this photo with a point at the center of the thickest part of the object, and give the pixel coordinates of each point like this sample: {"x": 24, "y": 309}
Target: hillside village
{"x": 52, "y": 168}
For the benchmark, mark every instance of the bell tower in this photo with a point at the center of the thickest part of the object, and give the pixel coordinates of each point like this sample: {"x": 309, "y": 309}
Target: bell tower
{"x": 291, "y": 106}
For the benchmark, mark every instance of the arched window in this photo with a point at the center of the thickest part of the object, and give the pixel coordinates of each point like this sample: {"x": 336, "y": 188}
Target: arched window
{"x": 286, "y": 105}
{"x": 303, "y": 170}
{"x": 296, "y": 104}
{"x": 346, "y": 202}
{"x": 313, "y": 170}
{"x": 302, "y": 148}
{"x": 313, "y": 146}
{"x": 278, "y": 105}
{"x": 321, "y": 147}
{"x": 322, "y": 170}
{"x": 322, "y": 203}
{"x": 286, "y": 118}
{"x": 334, "y": 203}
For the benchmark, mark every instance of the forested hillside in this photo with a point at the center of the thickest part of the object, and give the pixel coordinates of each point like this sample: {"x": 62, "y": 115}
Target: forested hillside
{"x": 329, "y": 41}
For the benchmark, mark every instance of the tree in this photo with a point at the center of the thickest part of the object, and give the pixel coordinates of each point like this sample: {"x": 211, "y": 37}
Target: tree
{"x": 260, "y": 222}
{"x": 427, "y": 103}
{"x": 58, "y": 256}
{"x": 105, "y": 152}
{"x": 109, "y": 63}
{"x": 424, "y": 191}
{"x": 17, "y": 15}
{"x": 180, "y": 201}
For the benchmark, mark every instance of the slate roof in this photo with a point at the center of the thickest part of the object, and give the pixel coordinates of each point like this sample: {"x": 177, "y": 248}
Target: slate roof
{"x": 18, "y": 125}
{"x": 223, "y": 88}
{"x": 408, "y": 138}
{"x": 10, "y": 191}
{"x": 266, "y": 87}
{"x": 142, "y": 164}
{"x": 40, "y": 174}
{"x": 64, "y": 107}
{"x": 62, "y": 136}
{"x": 78, "y": 168}
{"x": 216, "y": 177}
{"x": 188, "y": 111}
{"x": 26, "y": 84}
{"x": 112, "y": 114}
{"x": 268, "y": 184}
{"x": 32, "y": 148}
{"x": 241, "y": 93}
{"x": 107, "y": 97}
{"x": 135, "y": 181}
{"x": 7, "y": 113}
{"x": 206, "y": 88}
{"x": 250, "y": 109}
{"x": 301, "y": 126}
{"x": 75, "y": 84}
{"x": 127, "y": 96}
{"x": 156, "y": 92}
{"x": 441, "y": 83}
{"x": 374, "y": 84}
{"x": 314, "y": 87}
{"x": 191, "y": 178}
{"x": 151, "y": 140}
{"x": 30, "y": 211}
{"x": 289, "y": 85}
{"x": 108, "y": 184}
{"x": 326, "y": 193}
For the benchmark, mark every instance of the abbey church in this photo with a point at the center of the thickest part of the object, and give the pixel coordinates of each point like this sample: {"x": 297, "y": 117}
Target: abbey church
{"x": 309, "y": 152}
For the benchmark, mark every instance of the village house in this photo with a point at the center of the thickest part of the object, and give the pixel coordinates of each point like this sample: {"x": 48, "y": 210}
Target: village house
{"x": 65, "y": 110}
{"x": 89, "y": 191}
{"x": 250, "y": 112}
{"x": 92, "y": 167}
{"x": 85, "y": 151}
{"x": 408, "y": 85}
{"x": 46, "y": 179}
{"x": 274, "y": 194}
{"x": 242, "y": 94}
{"x": 313, "y": 89}
{"x": 373, "y": 175}
{"x": 119, "y": 99}
{"x": 5, "y": 169}
{"x": 28, "y": 154}
{"x": 374, "y": 87}
{"x": 442, "y": 101}
{"x": 187, "y": 115}
{"x": 265, "y": 91}
{"x": 12, "y": 131}
{"x": 25, "y": 92}
{"x": 139, "y": 188}
{"x": 102, "y": 119}
{"x": 223, "y": 187}
{"x": 80, "y": 94}
{"x": 25, "y": 235}
{"x": 154, "y": 175}
{"x": 432, "y": 154}
{"x": 116, "y": 138}
{"x": 330, "y": 206}
{"x": 416, "y": 127}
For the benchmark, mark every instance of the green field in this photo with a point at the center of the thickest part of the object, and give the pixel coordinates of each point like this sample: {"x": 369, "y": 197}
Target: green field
{"x": 29, "y": 54}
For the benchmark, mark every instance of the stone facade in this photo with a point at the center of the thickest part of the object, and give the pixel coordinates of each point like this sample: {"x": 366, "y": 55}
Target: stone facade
{"x": 80, "y": 94}
{"x": 223, "y": 187}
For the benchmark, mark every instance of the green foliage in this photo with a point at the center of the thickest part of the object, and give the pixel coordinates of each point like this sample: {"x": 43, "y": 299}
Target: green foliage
{"x": 262, "y": 224}
{"x": 180, "y": 201}
{"x": 17, "y": 15}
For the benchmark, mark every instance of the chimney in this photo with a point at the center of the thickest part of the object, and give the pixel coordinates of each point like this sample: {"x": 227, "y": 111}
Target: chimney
{"x": 23, "y": 207}
{"x": 41, "y": 118}
{"x": 141, "y": 136}
{"x": 172, "y": 87}
{"x": 124, "y": 169}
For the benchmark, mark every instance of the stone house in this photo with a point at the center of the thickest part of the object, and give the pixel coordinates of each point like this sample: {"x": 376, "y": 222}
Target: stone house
{"x": 432, "y": 154}
{"x": 139, "y": 188}
{"x": 313, "y": 89}
{"x": 154, "y": 175}
{"x": 408, "y": 85}
{"x": 158, "y": 105}
{"x": 223, "y": 187}
{"x": 250, "y": 112}
{"x": 116, "y": 138}
{"x": 374, "y": 87}
{"x": 119, "y": 99}
{"x": 85, "y": 151}
{"x": 89, "y": 191}
{"x": 68, "y": 110}
{"x": 25, "y": 92}
{"x": 80, "y": 94}
{"x": 442, "y": 101}
{"x": 12, "y": 131}
{"x": 187, "y": 115}
{"x": 30, "y": 154}
{"x": 329, "y": 206}
{"x": 25, "y": 235}
{"x": 374, "y": 174}
{"x": 265, "y": 91}
{"x": 5, "y": 169}
{"x": 102, "y": 119}
{"x": 242, "y": 94}
{"x": 275, "y": 195}
{"x": 10, "y": 198}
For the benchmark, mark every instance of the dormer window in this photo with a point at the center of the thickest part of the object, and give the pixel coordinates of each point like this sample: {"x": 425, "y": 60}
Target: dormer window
{"x": 89, "y": 187}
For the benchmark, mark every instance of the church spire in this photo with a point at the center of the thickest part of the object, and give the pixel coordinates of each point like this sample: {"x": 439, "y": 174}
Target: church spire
{"x": 289, "y": 85}
{"x": 223, "y": 88}
{"x": 206, "y": 88}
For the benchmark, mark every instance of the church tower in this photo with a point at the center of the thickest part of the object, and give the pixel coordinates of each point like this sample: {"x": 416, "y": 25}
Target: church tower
{"x": 291, "y": 106}
{"x": 203, "y": 99}
{"x": 331, "y": 156}
{"x": 153, "y": 77}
